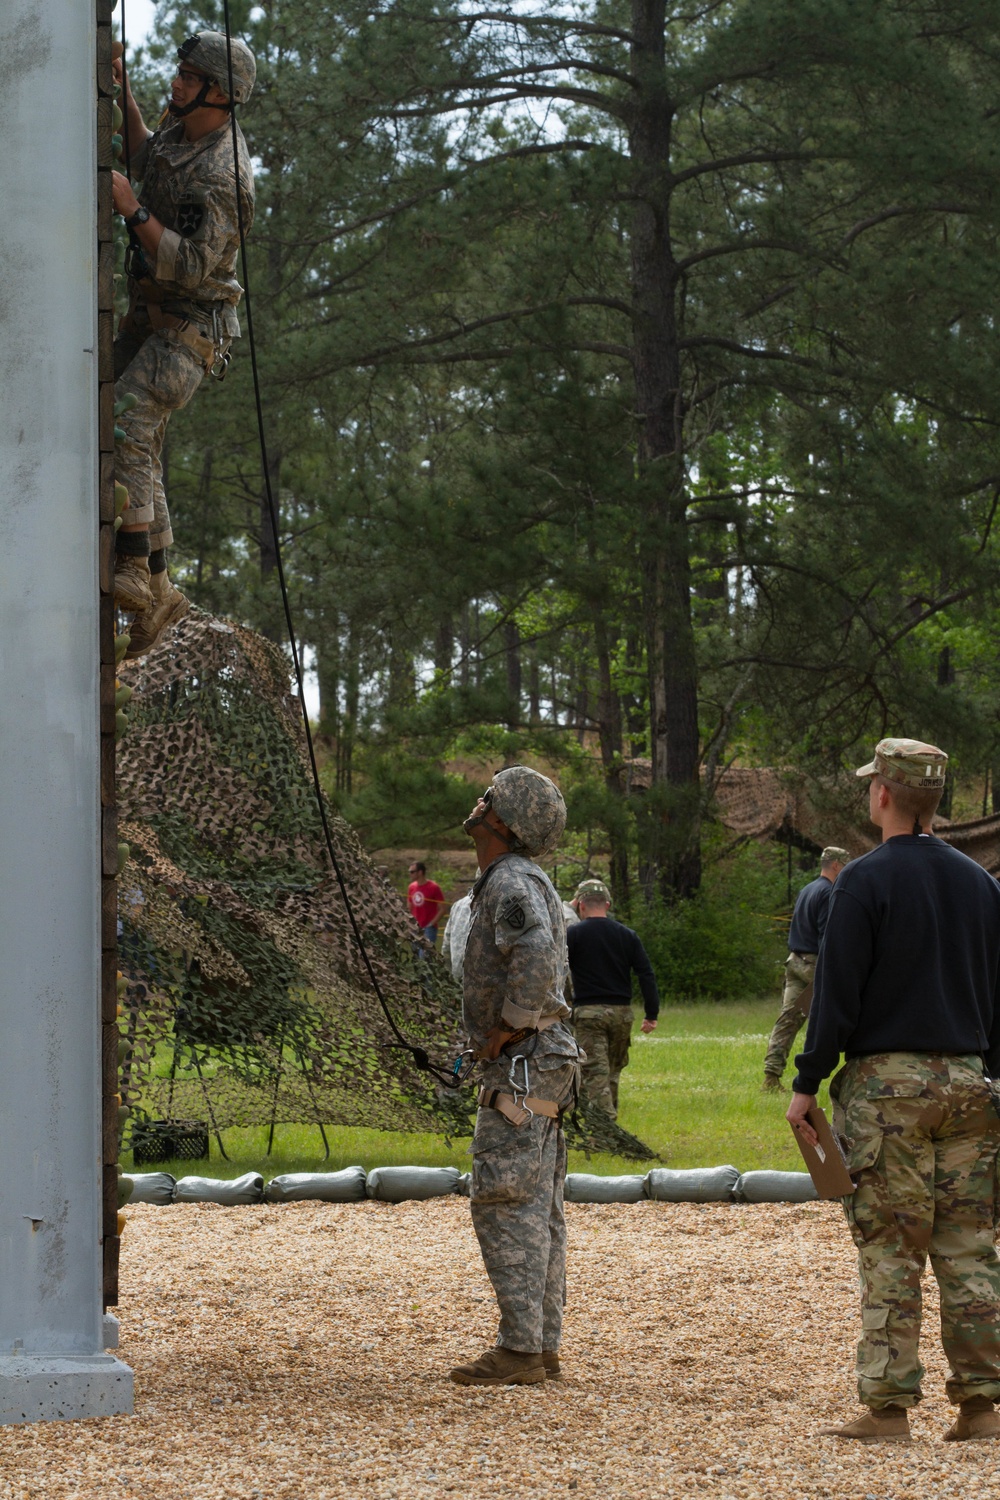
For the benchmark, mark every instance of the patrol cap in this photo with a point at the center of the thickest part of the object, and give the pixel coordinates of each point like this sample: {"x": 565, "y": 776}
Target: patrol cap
{"x": 832, "y": 854}
{"x": 908, "y": 763}
{"x": 592, "y": 890}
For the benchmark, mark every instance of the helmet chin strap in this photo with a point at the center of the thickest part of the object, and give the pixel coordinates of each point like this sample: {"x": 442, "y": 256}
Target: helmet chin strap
{"x": 474, "y": 820}
{"x": 181, "y": 111}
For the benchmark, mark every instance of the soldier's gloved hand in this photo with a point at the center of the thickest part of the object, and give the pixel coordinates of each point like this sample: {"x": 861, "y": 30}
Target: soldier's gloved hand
{"x": 496, "y": 1040}
{"x": 648, "y": 1025}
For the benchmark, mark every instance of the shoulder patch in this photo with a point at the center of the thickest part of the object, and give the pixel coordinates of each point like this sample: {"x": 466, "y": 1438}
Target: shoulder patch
{"x": 511, "y": 912}
{"x": 189, "y": 218}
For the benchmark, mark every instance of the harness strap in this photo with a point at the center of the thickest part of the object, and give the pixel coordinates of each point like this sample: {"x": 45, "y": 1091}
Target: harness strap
{"x": 520, "y": 1109}
{"x": 185, "y": 331}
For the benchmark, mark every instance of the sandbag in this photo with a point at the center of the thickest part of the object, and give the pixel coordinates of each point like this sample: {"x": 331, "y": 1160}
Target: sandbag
{"x": 586, "y": 1187}
{"x": 775, "y": 1187}
{"x": 464, "y": 1185}
{"x": 693, "y": 1185}
{"x": 246, "y": 1189}
{"x": 152, "y": 1187}
{"x": 402, "y": 1184}
{"x": 347, "y": 1186}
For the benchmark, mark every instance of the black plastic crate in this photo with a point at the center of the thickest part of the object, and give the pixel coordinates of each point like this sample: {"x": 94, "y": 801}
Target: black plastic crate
{"x": 168, "y": 1140}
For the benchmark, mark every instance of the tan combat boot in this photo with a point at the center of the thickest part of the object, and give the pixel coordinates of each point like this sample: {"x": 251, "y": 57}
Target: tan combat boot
{"x": 977, "y": 1422}
{"x": 132, "y": 583}
{"x": 168, "y": 606}
{"x": 880, "y": 1424}
{"x": 501, "y": 1367}
{"x": 772, "y": 1082}
{"x": 553, "y": 1369}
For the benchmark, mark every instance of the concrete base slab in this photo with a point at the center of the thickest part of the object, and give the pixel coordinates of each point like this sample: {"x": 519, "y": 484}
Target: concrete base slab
{"x": 51, "y": 1388}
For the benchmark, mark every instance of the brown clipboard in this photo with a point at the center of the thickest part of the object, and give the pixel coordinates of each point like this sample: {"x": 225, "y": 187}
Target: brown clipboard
{"x": 804, "y": 1000}
{"x": 826, "y": 1164}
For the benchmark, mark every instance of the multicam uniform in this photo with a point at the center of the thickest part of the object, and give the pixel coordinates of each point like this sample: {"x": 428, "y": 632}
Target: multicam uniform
{"x": 514, "y": 976}
{"x": 183, "y": 312}
{"x": 907, "y": 988}
{"x": 804, "y": 938}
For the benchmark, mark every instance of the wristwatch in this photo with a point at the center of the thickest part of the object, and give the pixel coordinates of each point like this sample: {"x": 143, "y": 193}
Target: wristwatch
{"x": 140, "y": 216}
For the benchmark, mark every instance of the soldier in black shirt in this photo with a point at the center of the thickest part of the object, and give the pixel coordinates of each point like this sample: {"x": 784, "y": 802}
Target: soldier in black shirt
{"x": 804, "y": 938}
{"x": 907, "y": 990}
{"x": 603, "y": 955}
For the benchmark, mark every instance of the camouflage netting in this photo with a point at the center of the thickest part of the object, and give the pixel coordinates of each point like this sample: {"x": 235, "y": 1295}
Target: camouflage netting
{"x": 759, "y": 802}
{"x": 247, "y": 999}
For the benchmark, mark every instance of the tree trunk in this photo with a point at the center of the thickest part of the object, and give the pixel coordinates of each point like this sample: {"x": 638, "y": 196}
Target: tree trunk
{"x": 609, "y": 728}
{"x": 673, "y": 687}
{"x": 534, "y": 689}
{"x": 349, "y": 721}
{"x": 204, "y": 500}
{"x": 444, "y": 650}
{"x": 465, "y": 647}
{"x": 328, "y": 675}
{"x": 512, "y": 652}
{"x": 268, "y": 542}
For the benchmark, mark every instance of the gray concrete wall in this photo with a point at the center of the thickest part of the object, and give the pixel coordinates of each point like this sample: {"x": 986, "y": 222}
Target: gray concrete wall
{"x": 51, "y": 1359}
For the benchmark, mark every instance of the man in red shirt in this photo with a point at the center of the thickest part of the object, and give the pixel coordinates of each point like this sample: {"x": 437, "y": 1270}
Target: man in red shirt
{"x": 426, "y": 900}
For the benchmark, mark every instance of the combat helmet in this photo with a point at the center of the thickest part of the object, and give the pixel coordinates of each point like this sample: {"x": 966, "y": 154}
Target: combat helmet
{"x": 209, "y": 53}
{"x": 532, "y": 807}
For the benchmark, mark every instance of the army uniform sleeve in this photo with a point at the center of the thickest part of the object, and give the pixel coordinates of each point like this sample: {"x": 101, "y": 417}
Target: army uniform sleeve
{"x": 207, "y": 231}
{"x": 138, "y": 159}
{"x": 523, "y": 931}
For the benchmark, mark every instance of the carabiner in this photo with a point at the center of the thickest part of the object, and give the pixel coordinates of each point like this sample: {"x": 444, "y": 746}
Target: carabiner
{"x": 512, "y": 1077}
{"x": 456, "y": 1072}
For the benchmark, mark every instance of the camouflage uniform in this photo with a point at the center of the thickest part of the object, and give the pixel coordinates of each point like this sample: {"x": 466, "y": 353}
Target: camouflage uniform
{"x": 923, "y": 1139}
{"x": 514, "y": 976}
{"x": 911, "y": 956}
{"x": 604, "y": 1032}
{"x": 799, "y": 971}
{"x": 190, "y": 187}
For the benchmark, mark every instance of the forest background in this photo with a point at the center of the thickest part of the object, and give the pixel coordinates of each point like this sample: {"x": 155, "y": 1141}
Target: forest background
{"x": 631, "y": 385}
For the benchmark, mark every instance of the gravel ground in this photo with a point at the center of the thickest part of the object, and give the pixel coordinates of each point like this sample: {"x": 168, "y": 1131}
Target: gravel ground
{"x": 299, "y": 1352}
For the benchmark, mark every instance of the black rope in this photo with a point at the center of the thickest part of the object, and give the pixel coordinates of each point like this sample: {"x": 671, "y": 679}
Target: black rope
{"x": 419, "y": 1055}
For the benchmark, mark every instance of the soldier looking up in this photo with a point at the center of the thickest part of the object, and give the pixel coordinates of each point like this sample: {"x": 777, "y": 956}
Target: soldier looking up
{"x": 183, "y": 291}
{"x": 804, "y": 937}
{"x": 907, "y": 989}
{"x": 514, "y": 1013}
{"x": 603, "y": 955}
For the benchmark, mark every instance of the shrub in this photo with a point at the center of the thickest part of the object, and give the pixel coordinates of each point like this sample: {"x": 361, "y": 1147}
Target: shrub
{"x": 725, "y": 943}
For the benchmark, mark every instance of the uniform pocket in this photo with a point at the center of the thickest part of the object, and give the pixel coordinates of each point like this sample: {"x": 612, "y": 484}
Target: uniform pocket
{"x": 862, "y": 1133}
{"x": 505, "y": 1168}
{"x": 896, "y": 1088}
{"x": 177, "y": 371}
{"x": 873, "y": 1351}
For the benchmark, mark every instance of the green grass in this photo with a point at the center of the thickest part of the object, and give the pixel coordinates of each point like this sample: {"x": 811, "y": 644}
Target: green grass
{"x": 691, "y": 1091}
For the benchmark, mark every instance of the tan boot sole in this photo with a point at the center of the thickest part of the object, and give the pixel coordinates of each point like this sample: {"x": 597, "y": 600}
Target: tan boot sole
{"x": 131, "y": 600}
{"x": 874, "y": 1437}
{"x": 525, "y": 1377}
{"x": 177, "y": 611}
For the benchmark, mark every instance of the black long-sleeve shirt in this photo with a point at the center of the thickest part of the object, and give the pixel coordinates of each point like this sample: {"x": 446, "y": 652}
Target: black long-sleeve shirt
{"x": 603, "y": 954}
{"x": 809, "y": 917}
{"x": 910, "y": 960}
